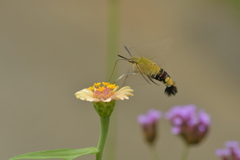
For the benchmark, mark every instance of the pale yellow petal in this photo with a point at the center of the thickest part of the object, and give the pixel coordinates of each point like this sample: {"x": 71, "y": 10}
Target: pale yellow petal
{"x": 123, "y": 93}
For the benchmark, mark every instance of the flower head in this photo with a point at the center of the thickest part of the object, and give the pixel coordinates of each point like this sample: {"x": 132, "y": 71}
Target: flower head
{"x": 230, "y": 152}
{"x": 191, "y": 125}
{"x": 148, "y": 122}
{"x": 104, "y": 92}
{"x": 103, "y": 96}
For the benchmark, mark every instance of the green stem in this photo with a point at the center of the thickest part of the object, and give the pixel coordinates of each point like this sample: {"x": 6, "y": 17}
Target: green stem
{"x": 103, "y": 136}
{"x": 113, "y": 36}
{"x": 113, "y": 27}
{"x": 185, "y": 152}
{"x": 153, "y": 152}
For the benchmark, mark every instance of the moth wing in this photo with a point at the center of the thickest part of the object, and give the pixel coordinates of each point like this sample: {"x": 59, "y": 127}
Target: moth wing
{"x": 158, "y": 51}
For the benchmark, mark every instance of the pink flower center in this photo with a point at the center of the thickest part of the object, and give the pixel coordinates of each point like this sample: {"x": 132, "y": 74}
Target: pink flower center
{"x": 106, "y": 93}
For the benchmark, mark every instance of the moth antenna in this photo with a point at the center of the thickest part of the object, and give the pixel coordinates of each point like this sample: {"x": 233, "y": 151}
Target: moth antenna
{"x": 128, "y": 51}
{"x": 123, "y": 57}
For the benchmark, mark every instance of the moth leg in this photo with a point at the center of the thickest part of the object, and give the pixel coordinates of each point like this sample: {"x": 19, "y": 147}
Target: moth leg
{"x": 152, "y": 80}
{"x": 126, "y": 74}
{"x": 139, "y": 71}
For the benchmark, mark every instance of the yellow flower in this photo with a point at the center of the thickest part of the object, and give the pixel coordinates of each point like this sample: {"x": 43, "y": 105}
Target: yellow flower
{"x": 104, "y": 92}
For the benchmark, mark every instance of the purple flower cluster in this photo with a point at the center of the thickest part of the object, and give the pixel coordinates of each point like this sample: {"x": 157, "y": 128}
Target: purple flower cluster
{"x": 148, "y": 123}
{"x": 230, "y": 152}
{"x": 191, "y": 125}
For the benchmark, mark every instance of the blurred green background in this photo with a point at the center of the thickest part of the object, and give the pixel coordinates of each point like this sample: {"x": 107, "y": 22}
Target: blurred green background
{"x": 51, "y": 49}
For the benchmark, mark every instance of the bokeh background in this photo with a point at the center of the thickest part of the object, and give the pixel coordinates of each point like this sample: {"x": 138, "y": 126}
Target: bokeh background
{"x": 51, "y": 49}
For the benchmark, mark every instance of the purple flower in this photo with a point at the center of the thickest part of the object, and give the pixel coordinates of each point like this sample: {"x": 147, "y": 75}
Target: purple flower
{"x": 232, "y": 144}
{"x": 224, "y": 153}
{"x": 152, "y": 116}
{"x": 230, "y": 152}
{"x": 148, "y": 122}
{"x": 191, "y": 125}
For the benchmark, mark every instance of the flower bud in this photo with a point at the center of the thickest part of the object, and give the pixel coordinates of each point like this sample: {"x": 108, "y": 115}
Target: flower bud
{"x": 148, "y": 123}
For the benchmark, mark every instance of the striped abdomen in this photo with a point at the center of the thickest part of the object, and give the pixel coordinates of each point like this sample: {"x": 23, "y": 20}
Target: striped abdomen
{"x": 163, "y": 76}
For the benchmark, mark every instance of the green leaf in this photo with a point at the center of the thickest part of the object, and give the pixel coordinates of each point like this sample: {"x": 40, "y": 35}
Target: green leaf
{"x": 67, "y": 154}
